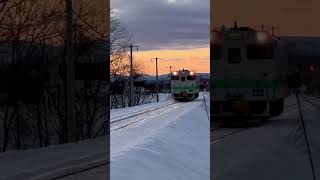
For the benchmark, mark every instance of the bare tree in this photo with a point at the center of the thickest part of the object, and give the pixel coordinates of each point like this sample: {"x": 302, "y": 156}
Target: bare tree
{"x": 120, "y": 39}
{"x": 25, "y": 26}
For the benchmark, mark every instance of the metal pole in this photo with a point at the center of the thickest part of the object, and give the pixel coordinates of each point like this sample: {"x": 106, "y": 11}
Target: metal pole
{"x": 157, "y": 88}
{"x": 157, "y": 78}
{"x": 131, "y": 78}
{"x": 70, "y": 129}
{"x": 273, "y": 28}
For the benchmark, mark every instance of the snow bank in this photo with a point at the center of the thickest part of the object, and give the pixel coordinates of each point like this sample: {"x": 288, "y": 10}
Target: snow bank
{"x": 178, "y": 149}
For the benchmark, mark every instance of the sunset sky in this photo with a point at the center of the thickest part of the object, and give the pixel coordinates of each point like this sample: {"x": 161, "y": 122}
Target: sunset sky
{"x": 177, "y": 31}
{"x": 293, "y": 17}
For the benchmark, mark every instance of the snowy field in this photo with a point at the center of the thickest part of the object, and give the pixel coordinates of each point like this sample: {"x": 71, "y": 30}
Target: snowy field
{"x": 169, "y": 142}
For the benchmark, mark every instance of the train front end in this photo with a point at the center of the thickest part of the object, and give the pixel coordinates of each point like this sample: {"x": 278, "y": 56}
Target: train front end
{"x": 246, "y": 69}
{"x": 185, "y": 85}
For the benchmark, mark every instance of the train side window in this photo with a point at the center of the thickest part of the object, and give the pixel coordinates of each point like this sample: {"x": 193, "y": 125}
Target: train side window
{"x": 191, "y": 77}
{"x": 260, "y": 51}
{"x": 234, "y": 55}
{"x": 216, "y": 51}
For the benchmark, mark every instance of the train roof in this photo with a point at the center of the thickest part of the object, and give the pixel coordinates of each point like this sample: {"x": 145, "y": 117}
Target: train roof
{"x": 245, "y": 30}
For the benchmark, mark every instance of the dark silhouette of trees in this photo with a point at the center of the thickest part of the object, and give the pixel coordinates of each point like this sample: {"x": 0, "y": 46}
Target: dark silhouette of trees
{"x": 32, "y": 32}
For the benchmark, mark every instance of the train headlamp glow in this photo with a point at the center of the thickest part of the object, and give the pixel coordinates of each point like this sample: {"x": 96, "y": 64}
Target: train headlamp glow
{"x": 262, "y": 37}
{"x": 191, "y": 73}
{"x": 175, "y": 73}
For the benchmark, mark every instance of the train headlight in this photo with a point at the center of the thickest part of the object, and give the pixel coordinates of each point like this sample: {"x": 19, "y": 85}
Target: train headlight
{"x": 262, "y": 37}
{"x": 175, "y": 73}
{"x": 191, "y": 73}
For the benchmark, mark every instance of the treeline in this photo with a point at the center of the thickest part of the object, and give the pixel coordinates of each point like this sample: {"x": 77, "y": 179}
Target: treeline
{"x": 32, "y": 70}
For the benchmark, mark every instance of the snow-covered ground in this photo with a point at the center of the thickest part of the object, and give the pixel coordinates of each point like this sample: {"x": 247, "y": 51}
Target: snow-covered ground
{"x": 273, "y": 150}
{"x": 169, "y": 142}
{"x": 164, "y": 99}
{"x": 144, "y": 99}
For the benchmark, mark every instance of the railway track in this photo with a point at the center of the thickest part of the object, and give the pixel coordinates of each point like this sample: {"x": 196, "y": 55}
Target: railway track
{"x": 137, "y": 113}
{"x": 139, "y": 117}
{"x": 233, "y": 131}
{"x": 119, "y": 122}
{"x": 84, "y": 173}
{"x": 223, "y": 137}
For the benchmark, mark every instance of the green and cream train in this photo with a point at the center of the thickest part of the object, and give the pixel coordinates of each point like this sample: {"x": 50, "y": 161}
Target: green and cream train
{"x": 185, "y": 85}
{"x": 248, "y": 73}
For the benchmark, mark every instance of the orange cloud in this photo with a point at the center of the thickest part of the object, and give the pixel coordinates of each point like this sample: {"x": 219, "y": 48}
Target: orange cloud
{"x": 191, "y": 59}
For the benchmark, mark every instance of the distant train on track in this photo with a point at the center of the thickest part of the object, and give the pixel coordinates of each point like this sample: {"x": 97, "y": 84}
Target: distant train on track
{"x": 248, "y": 73}
{"x": 185, "y": 85}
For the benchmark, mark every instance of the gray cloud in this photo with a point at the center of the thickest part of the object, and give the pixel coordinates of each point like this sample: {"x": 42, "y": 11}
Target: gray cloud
{"x": 166, "y": 24}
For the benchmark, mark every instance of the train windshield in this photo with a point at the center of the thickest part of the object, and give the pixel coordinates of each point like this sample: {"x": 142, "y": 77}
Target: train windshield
{"x": 216, "y": 51}
{"x": 234, "y": 55}
{"x": 260, "y": 51}
{"x": 175, "y": 77}
{"x": 191, "y": 77}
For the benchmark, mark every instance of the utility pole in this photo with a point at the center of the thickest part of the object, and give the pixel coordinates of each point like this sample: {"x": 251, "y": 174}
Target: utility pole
{"x": 131, "y": 75}
{"x": 70, "y": 128}
{"x": 157, "y": 78}
{"x": 170, "y": 67}
{"x": 262, "y": 27}
{"x": 273, "y": 28}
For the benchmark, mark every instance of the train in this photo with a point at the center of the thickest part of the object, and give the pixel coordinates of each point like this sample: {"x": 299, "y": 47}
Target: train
{"x": 185, "y": 85}
{"x": 248, "y": 73}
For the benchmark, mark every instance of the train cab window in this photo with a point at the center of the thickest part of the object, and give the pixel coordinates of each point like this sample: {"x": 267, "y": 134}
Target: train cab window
{"x": 216, "y": 52}
{"x": 183, "y": 78}
{"x": 260, "y": 51}
{"x": 175, "y": 78}
{"x": 191, "y": 77}
{"x": 234, "y": 55}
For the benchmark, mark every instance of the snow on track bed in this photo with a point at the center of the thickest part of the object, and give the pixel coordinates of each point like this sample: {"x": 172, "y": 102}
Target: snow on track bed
{"x": 131, "y": 111}
{"x": 133, "y": 119}
{"x": 171, "y": 145}
{"x": 221, "y": 133}
{"x": 275, "y": 150}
